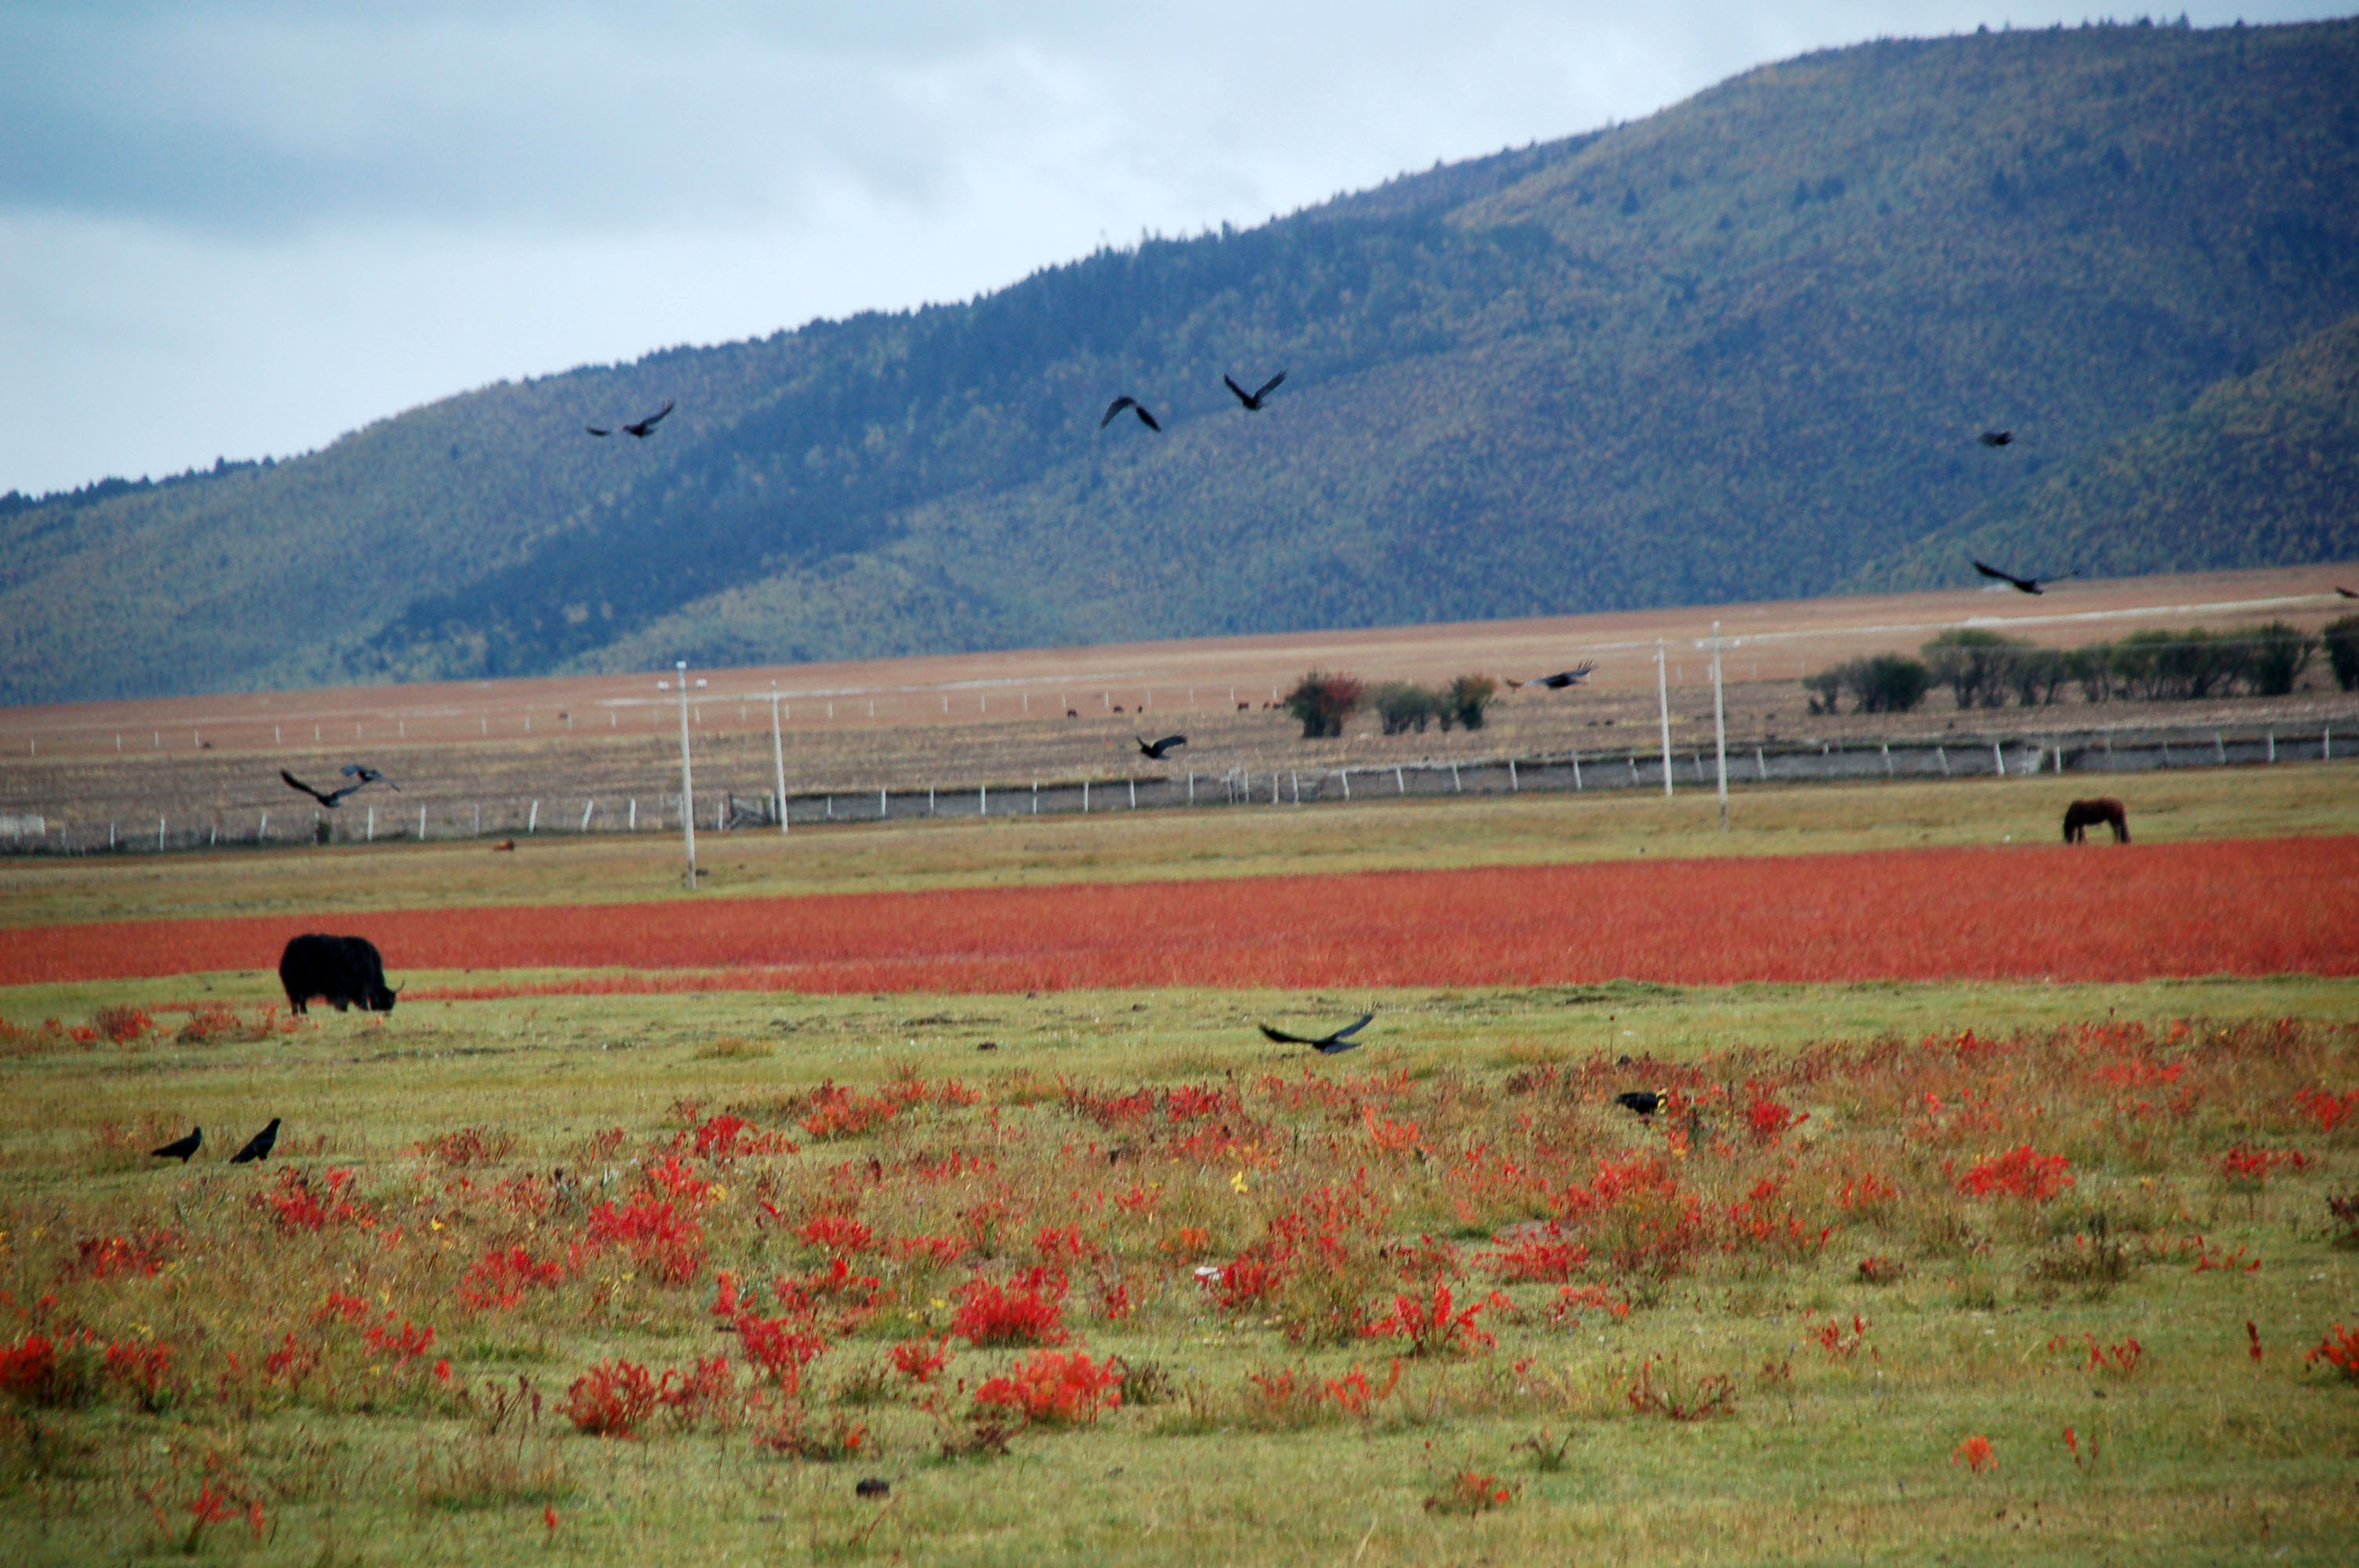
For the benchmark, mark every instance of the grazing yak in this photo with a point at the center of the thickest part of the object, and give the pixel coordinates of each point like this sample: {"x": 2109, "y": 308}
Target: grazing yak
{"x": 2083, "y": 815}
{"x": 345, "y": 972}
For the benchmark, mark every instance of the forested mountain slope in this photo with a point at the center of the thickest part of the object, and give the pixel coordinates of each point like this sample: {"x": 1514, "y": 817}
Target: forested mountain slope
{"x": 1741, "y": 349}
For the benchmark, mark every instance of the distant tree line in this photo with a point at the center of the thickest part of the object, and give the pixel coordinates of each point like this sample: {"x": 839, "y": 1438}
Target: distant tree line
{"x": 1322, "y": 701}
{"x": 1984, "y": 669}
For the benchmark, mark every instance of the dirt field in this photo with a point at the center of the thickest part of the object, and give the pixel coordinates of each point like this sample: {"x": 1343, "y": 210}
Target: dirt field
{"x": 1000, "y": 719}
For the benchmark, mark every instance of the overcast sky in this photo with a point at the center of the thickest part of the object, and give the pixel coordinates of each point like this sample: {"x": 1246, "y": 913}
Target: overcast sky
{"x": 241, "y": 228}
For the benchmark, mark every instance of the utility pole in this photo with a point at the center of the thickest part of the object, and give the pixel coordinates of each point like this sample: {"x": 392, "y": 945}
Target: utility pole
{"x": 687, "y": 783}
{"x": 1663, "y": 701}
{"x": 1719, "y": 726}
{"x": 778, "y": 756}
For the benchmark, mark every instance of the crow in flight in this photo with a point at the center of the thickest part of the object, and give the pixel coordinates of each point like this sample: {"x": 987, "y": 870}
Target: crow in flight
{"x": 642, "y": 428}
{"x": 1558, "y": 681}
{"x": 1136, "y": 407}
{"x": 1156, "y": 751}
{"x": 1997, "y": 437}
{"x": 2024, "y": 584}
{"x": 258, "y": 1146}
{"x": 2344, "y": 592}
{"x": 1645, "y": 1102}
{"x": 1326, "y": 1045}
{"x": 1252, "y": 400}
{"x": 330, "y": 799}
{"x": 369, "y": 775}
{"x": 181, "y": 1148}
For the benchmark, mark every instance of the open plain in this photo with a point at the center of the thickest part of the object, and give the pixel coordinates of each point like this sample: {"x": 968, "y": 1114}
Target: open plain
{"x": 1999, "y": 1203}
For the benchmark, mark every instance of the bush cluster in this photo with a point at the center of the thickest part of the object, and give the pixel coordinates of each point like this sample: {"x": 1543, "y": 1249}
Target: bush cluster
{"x": 1323, "y": 701}
{"x": 1984, "y": 669}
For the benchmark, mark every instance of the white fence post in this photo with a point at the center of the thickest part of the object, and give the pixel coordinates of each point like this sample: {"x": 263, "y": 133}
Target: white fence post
{"x": 1345, "y": 774}
{"x": 635, "y": 813}
{"x": 532, "y": 821}
{"x": 1516, "y": 784}
{"x": 587, "y": 807}
{"x": 1457, "y": 785}
{"x": 1400, "y": 785}
{"x": 369, "y": 833}
{"x": 1576, "y": 769}
{"x": 1134, "y": 794}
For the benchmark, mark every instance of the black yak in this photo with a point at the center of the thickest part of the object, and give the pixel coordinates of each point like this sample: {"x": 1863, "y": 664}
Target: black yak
{"x": 346, "y": 971}
{"x": 2083, "y": 815}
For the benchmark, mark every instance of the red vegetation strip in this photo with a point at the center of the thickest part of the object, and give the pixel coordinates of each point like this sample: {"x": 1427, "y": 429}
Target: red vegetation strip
{"x": 2241, "y": 907}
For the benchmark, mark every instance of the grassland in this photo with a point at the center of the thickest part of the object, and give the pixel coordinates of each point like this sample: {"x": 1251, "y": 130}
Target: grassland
{"x": 1122, "y": 1141}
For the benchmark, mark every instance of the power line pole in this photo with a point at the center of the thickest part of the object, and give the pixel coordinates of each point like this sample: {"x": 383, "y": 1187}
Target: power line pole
{"x": 1663, "y": 701}
{"x": 687, "y": 782}
{"x": 778, "y": 756}
{"x": 1719, "y": 726}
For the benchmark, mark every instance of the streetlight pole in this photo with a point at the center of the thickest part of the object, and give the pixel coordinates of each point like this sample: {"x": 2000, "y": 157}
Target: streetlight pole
{"x": 778, "y": 756}
{"x": 687, "y": 781}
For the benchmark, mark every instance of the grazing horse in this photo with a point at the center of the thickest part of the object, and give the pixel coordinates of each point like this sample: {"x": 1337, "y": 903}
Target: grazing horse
{"x": 2083, "y": 815}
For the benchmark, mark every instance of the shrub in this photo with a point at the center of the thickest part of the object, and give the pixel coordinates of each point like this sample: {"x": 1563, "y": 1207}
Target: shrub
{"x": 2276, "y": 656}
{"x": 2034, "y": 675}
{"x": 1404, "y": 708}
{"x": 612, "y": 1399}
{"x": 2091, "y": 667}
{"x": 1027, "y": 1311}
{"x": 1466, "y": 700}
{"x": 1972, "y": 663}
{"x": 2342, "y": 640}
{"x": 1323, "y": 701}
{"x": 1052, "y": 1389}
{"x": 2019, "y": 1173}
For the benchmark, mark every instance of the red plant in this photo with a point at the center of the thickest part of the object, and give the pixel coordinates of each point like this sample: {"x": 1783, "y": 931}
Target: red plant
{"x": 1574, "y": 1299}
{"x": 1714, "y": 1395}
{"x": 706, "y": 1394}
{"x": 1438, "y": 1326}
{"x": 671, "y": 1245}
{"x": 919, "y": 1359}
{"x": 613, "y": 1398}
{"x": 2019, "y": 1173}
{"x": 2326, "y": 1107}
{"x": 1769, "y": 1120}
{"x": 1469, "y": 1492}
{"x": 2340, "y": 1350}
{"x": 2209, "y": 1258}
{"x": 1354, "y": 1395}
{"x": 1027, "y": 1311}
{"x": 2248, "y": 1168}
{"x": 1838, "y": 1345}
{"x": 1052, "y": 1388}
{"x": 1975, "y": 1454}
{"x": 499, "y": 1278}
{"x": 141, "y": 1369}
{"x": 28, "y": 1370}
{"x": 1540, "y": 1258}
{"x": 300, "y": 1205}
{"x": 104, "y": 1256}
{"x": 838, "y": 1233}
{"x": 2121, "y": 1358}
{"x": 2253, "y": 1333}
{"x": 780, "y": 1346}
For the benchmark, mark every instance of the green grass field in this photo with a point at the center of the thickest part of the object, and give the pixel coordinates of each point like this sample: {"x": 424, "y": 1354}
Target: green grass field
{"x": 1720, "y": 1244}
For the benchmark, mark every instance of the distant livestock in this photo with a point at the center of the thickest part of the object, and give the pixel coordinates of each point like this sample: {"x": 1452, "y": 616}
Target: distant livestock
{"x": 343, "y": 971}
{"x": 2083, "y": 815}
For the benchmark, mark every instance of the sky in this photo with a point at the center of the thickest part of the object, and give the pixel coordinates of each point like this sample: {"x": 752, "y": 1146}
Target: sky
{"x": 241, "y": 228}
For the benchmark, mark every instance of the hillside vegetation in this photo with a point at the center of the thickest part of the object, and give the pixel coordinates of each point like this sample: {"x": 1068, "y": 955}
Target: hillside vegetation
{"x": 1739, "y": 349}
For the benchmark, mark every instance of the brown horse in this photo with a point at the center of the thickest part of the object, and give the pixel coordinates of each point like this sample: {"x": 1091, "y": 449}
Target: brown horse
{"x": 2083, "y": 815}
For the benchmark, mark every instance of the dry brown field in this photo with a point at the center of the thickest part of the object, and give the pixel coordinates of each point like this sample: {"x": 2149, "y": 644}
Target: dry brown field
{"x": 1001, "y": 719}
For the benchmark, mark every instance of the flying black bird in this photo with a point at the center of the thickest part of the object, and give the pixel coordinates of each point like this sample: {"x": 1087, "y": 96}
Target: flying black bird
{"x": 181, "y": 1148}
{"x": 369, "y": 775}
{"x": 1252, "y": 400}
{"x": 2344, "y": 592}
{"x": 2025, "y": 584}
{"x": 1158, "y": 750}
{"x": 258, "y": 1146}
{"x": 330, "y": 799}
{"x": 1997, "y": 437}
{"x": 642, "y": 429}
{"x": 1136, "y": 407}
{"x": 1645, "y": 1102}
{"x": 1558, "y": 681}
{"x": 1326, "y": 1045}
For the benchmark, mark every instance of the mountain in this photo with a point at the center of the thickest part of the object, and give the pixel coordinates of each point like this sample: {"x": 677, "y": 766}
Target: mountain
{"x": 2261, "y": 470}
{"x": 1738, "y": 350}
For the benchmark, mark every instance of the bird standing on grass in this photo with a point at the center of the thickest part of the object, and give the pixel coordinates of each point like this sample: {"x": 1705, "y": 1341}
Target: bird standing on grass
{"x": 1325, "y": 1044}
{"x": 1156, "y": 751}
{"x": 258, "y": 1146}
{"x": 181, "y": 1148}
{"x": 1645, "y": 1102}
